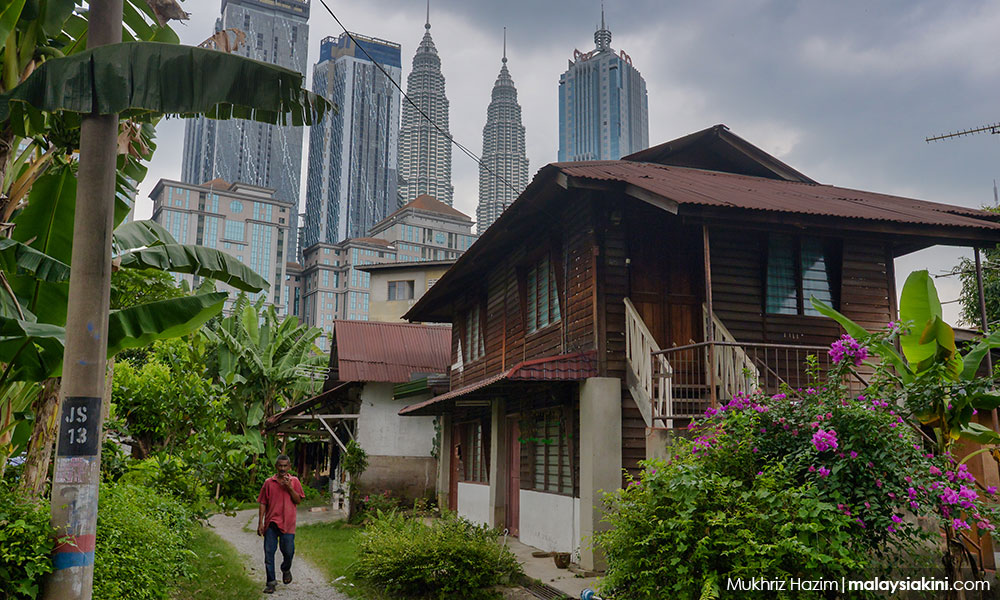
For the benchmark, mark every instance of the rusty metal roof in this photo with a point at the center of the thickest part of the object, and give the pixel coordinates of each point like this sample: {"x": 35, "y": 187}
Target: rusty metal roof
{"x": 565, "y": 367}
{"x": 697, "y": 187}
{"x": 388, "y": 352}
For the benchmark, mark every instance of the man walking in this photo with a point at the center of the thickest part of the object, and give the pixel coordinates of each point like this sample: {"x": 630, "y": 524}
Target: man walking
{"x": 277, "y": 498}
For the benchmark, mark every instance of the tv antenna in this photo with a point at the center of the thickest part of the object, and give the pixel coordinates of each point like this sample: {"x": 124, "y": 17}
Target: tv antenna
{"x": 994, "y": 129}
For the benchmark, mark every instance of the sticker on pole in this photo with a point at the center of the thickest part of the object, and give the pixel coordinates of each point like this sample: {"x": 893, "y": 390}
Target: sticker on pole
{"x": 78, "y": 426}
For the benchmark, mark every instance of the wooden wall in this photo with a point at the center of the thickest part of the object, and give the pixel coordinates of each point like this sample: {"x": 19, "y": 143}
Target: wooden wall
{"x": 571, "y": 238}
{"x": 867, "y": 290}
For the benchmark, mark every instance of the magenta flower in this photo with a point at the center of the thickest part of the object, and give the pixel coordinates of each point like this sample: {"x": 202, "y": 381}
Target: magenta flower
{"x": 824, "y": 440}
{"x": 934, "y": 471}
{"x": 823, "y": 471}
{"x": 959, "y": 524}
{"x": 991, "y": 490}
{"x": 847, "y": 348}
{"x": 897, "y": 519}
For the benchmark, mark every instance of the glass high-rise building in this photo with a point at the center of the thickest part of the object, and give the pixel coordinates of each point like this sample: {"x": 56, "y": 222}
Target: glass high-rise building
{"x": 352, "y": 179}
{"x": 425, "y": 150}
{"x": 603, "y": 109}
{"x": 247, "y": 151}
{"x": 503, "y": 170}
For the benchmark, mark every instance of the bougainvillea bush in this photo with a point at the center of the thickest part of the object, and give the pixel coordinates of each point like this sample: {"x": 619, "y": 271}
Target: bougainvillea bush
{"x": 813, "y": 482}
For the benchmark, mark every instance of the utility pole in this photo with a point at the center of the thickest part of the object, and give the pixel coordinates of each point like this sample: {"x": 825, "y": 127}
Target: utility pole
{"x": 77, "y": 470}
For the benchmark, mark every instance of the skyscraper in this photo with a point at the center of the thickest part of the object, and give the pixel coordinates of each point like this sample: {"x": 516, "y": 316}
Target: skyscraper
{"x": 425, "y": 149}
{"x": 503, "y": 170}
{"x": 352, "y": 176}
{"x": 246, "y": 151}
{"x": 603, "y": 109}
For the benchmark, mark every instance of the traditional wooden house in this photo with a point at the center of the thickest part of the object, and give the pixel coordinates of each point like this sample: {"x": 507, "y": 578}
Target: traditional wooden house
{"x": 616, "y": 299}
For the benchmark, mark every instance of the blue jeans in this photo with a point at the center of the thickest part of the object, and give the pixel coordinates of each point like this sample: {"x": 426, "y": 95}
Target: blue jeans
{"x": 274, "y": 539}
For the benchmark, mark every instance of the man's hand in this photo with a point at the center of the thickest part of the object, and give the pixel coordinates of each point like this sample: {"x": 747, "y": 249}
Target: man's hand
{"x": 261, "y": 529}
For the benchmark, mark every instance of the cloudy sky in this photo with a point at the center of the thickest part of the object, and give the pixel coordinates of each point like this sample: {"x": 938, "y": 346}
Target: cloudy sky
{"x": 843, "y": 91}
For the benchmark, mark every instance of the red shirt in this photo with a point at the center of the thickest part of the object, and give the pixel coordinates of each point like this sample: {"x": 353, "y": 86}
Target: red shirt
{"x": 278, "y": 506}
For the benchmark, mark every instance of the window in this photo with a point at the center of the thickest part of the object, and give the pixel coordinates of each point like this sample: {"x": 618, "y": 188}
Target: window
{"x": 401, "y": 290}
{"x": 541, "y": 294}
{"x": 236, "y": 207}
{"x": 474, "y": 346}
{"x": 549, "y": 440}
{"x": 799, "y": 269}
{"x": 472, "y": 443}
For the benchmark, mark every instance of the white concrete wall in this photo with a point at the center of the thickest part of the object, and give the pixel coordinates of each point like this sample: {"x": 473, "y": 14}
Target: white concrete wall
{"x": 382, "y": 432}
{"x": 549, "y": 522}
{"x": 474, "y": 502}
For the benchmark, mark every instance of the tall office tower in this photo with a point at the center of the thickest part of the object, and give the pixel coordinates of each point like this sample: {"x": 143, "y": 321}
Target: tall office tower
{"x": 503, "y": 171}
{"x": 425, "y": 149}
{"x": 352, "y": 178}
{"x": 603, "y": 109}
{"x": 246, "y": 151}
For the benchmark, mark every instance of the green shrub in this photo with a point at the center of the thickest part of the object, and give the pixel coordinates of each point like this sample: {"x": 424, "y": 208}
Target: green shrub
{"x": 681, "y": 530}
{"x": 171, "y": 475}
{"x": 372, "y": 504}
{"x": 405, "y": 556}
{"x": 26, "y": 541}
{"x": 143, "y": 541}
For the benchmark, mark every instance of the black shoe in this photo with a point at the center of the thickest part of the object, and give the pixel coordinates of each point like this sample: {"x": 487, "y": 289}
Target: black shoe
{"x": 270, "y": 587}
{"x": 286, "y": 577}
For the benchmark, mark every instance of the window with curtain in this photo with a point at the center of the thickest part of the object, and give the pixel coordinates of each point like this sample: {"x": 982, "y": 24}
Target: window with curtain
{"x": 798, "y": 269}
{"x": 541, "y": 294}
{"x": 473, "y": 345}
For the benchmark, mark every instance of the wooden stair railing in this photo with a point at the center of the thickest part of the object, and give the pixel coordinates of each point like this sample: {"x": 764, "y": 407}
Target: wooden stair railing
{"x": 648, "y": 375}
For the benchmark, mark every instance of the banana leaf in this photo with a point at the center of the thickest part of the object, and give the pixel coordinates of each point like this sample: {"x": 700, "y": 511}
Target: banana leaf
{"x": 141, "y": 325}
{"x": 139, "y": 234}
{"x": 199, "y": 260}
{"x": 144, "y": 80}
{"x": 15, "y": 256}
{"x": 33, "y": 351}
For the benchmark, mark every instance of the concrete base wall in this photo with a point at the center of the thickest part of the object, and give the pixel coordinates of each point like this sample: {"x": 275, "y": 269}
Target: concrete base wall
{"x": 549, "y": 522}
{"x": 656, "y": 443}
{"x": 406, "y": 477}
{"x": 382, "y": 431}
{"x": 474, "y": 502}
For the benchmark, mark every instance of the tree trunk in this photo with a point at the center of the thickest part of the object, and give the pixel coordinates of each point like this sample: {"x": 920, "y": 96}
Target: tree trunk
{"x": 36, "y": 466}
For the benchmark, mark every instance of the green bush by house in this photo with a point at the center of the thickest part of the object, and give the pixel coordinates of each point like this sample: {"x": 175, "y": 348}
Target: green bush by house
{"x": 448, "y": 558}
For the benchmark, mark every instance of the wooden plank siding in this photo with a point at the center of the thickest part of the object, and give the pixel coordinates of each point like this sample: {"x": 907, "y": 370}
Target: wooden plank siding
{"x": 738, "y": 272}
{"x": 571, "y": 242}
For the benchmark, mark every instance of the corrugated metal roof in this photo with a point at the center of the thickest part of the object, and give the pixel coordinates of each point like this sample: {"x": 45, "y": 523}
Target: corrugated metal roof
{"x": 565, "y": 367}
{"x": 697, "y": 187}
{"x": 389, "y": 352}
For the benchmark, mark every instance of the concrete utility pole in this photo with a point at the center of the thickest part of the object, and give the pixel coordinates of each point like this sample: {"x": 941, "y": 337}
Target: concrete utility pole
{"x": 77, "y": 469}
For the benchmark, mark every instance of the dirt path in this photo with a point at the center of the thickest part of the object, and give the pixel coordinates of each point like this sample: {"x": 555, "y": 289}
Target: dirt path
{"x": 308, "y": 584}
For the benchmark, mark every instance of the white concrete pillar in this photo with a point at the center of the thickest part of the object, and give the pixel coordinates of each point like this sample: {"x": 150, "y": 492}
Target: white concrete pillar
{"x": 600, "y": 459}
{"x": 498, "y": 463}
{"x": 444, "y": 462}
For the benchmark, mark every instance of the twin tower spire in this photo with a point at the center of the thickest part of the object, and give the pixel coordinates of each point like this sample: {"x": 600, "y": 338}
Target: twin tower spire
{"x": 425, "y": 145}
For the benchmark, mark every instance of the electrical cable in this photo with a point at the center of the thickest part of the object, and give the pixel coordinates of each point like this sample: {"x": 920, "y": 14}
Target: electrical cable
{"x": 460, "y": 146}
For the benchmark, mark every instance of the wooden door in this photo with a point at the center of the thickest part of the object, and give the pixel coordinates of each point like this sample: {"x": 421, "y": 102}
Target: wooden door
{"x": 513, "y": 518}
{"x": 666, "y": 275}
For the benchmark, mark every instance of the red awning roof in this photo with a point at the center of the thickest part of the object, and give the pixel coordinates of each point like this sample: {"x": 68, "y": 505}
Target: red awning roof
{"x": 388, "y": 352}
{"x": 566, "y": 367}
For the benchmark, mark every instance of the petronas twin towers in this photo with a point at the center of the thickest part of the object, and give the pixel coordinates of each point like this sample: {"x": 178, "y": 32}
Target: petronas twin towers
{"x": 425, "y": 143}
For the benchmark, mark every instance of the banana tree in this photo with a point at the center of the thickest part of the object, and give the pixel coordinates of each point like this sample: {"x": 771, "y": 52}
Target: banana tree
{"x": 32, "y": 330}
{"x": 262, "y": 359}
{"x": 943, "y": 385}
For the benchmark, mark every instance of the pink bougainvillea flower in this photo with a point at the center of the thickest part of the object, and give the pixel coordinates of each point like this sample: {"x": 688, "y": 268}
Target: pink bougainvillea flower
{"x": 897, "y": 519}
{"x": 991, "y": 490}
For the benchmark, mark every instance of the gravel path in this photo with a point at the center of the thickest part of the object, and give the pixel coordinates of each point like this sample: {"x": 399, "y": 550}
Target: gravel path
{"x": 308, "y": 584}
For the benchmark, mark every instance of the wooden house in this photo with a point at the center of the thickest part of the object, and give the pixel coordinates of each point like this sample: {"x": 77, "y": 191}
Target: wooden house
{"x": 615, "y": 300}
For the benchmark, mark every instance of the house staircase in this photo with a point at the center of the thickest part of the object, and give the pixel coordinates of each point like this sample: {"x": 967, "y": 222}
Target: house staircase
{"x": 675, "y": 385}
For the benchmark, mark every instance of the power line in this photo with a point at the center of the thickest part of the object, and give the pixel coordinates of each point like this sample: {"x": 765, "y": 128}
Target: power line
{"x": 460, "y": 146}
